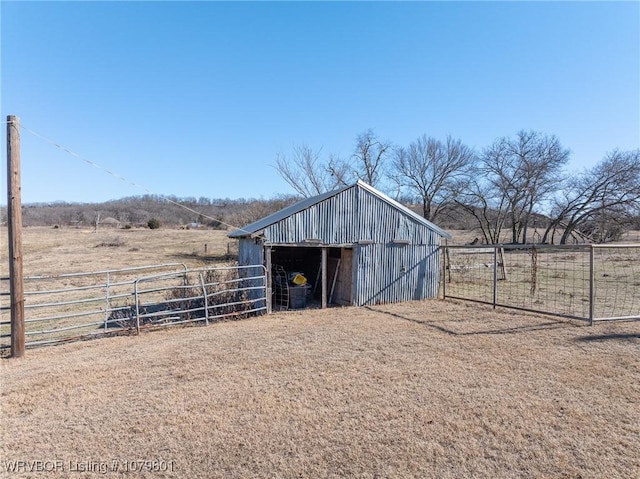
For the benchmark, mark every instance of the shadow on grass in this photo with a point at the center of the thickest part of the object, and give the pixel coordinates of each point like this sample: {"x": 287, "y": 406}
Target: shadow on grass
{"x": 206, "y": 258}
{"x": 609, "y": 337}
{"x": 551, "y": 324}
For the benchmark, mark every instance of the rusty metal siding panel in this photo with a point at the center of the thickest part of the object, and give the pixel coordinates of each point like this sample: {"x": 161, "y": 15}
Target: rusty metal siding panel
{"x": 250, "y": 252}
{"x": 389, "y": 273}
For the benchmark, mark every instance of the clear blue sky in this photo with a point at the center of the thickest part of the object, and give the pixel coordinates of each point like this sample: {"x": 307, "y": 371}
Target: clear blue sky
{"x": 197, "y": 98}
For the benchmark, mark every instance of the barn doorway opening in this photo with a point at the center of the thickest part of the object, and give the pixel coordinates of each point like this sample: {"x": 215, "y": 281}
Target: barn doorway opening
{"x": 289, "y": 264}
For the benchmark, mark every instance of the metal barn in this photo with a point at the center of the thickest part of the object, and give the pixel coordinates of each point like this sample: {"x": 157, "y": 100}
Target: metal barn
{"x": 354, "y": 246}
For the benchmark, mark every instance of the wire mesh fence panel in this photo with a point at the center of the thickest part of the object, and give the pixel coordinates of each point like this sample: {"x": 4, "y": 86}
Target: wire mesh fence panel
{"x": 590, "y": 282}
{"x": 469, "y": 273}
{"x": 616, "y": 282}
{"x": 546, "y": 279}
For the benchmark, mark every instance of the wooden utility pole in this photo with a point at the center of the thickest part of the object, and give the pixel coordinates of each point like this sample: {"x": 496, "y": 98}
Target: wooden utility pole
{"x": 14, "y": 212}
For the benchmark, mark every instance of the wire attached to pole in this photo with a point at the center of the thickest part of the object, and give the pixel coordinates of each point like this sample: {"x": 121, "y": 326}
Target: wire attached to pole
{"x": 123, "y": 179}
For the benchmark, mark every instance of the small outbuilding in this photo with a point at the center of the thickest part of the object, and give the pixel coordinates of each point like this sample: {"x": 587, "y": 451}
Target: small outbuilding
{"x": 352, "y": 246}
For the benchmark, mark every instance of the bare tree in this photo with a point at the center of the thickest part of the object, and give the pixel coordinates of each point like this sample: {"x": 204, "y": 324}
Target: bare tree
{"x": 369, "y": 157}
{"x": 486, "y": 204}
{"x": 96, "y": 220}
{"x": 432, "y": 171}
{"x": 598, "y": 199}
{"x": 308, "y": 174}
{"x": 525, "y": 170}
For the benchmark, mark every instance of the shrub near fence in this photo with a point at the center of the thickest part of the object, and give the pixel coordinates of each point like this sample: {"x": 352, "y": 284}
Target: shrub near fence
{"x": 206, "y": 294}
{"x": 589, "y": 282}
{"x": 75, "y": 306}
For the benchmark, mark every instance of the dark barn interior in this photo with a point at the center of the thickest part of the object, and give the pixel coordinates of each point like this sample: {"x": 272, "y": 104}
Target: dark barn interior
{"x": 288, "y": 260}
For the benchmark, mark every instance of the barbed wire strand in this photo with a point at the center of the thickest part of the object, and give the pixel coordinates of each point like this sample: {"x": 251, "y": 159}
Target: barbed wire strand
{"x": 122, "y": 178}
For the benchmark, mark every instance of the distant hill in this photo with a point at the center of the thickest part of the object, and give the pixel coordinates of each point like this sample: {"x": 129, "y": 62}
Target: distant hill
{"x": 138, "y": 210}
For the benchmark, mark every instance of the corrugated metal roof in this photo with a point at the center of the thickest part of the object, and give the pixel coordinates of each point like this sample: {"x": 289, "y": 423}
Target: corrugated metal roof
{"x": 302, "y": 205}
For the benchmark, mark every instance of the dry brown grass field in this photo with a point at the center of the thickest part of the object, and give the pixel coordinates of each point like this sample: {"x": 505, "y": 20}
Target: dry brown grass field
{"x": 419, "y": 389}
{"x": 70, "y": 250}
{"x": 53, "y": 251}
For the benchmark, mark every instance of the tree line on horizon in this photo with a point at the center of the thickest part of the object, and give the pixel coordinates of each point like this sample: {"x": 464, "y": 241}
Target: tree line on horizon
{"x": 161, "y": 211}
{"x": 513, "y": 184}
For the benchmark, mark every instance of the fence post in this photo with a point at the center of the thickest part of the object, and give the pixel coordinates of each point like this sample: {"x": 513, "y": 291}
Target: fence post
{"x": 267, "y": 279}
{"x": 592, "y": 280}
{"x": 495, "y": 276}
{"x": 137, "y": 307}
{"x": 502, "y": 263}
{"x": 324, "y": 277}
{"x": 107, "y": 307}
{"x": 447, "y": 261}
{"x": 206, "y": 300}
{"x": 14, "y": 217}
{"x": 184, "y": 304}
{"x": 444, "y": 270}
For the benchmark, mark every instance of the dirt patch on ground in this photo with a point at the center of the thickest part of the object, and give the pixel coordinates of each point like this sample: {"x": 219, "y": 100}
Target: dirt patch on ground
{"x": 421, "y": 389}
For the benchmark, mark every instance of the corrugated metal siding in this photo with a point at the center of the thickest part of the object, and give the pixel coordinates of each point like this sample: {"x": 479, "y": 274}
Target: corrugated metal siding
{"x": 307, "y": 203}
{"x": 384, "y": 271}
{"x": 331, "y": 221}
{"x": 250, "y": 252}
{"x": 380, "y": 222}
{"x": 348, "y": 217}
{"x": 283, "y": 213}
{"x": 389, "y": 273}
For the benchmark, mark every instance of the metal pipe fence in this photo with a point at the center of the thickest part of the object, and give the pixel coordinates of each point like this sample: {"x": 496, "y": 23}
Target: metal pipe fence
{"x": 587, "y": 282}
{"x": 66, "y": 307}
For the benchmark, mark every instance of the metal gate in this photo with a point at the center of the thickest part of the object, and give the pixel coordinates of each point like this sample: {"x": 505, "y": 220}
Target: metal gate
{"x": 587, "y": 282}
{"x": 67, "y": 307}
